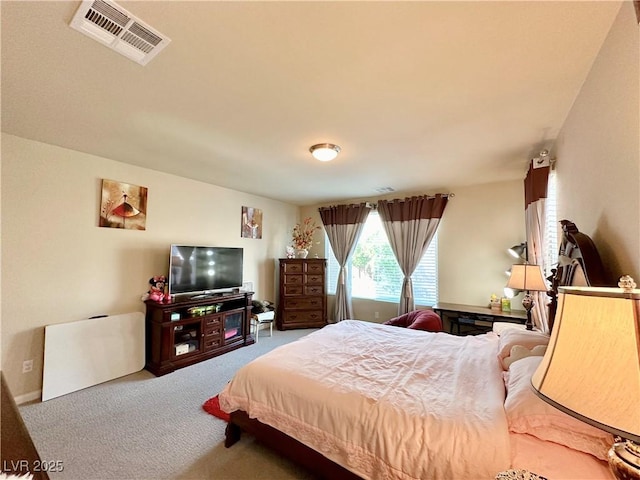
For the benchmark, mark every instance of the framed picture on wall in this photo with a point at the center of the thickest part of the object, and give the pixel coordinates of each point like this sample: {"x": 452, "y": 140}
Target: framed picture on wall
{"x": 251, "y": 223}
{"x": 123, "y": 205}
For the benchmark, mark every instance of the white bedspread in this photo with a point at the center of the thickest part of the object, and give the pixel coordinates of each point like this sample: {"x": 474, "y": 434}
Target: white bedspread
{"x": 384, "y": 402}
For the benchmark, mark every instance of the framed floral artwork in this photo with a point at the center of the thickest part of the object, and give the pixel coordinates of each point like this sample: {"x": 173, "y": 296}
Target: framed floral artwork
{"x": 123, "y": 205}
{"x": 251, "y": 223}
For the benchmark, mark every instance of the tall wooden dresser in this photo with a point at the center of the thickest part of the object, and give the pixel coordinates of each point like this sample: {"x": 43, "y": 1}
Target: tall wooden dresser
{"x": 302, "y": 299}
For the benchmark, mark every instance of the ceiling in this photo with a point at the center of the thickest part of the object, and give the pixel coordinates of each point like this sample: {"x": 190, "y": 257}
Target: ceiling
{"x": 421, "y": 96}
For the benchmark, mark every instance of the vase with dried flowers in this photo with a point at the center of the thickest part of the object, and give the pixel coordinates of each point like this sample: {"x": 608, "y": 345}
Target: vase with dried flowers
{"x": 303, "y": 236}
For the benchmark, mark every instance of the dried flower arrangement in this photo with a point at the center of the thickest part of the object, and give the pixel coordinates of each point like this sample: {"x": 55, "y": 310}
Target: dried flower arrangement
{"x": 303, "y": 234}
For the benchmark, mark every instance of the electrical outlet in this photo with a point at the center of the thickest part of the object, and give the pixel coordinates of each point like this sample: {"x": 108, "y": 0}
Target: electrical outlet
{"x": 376, "y": 315}
{"x": 27, "y": 366}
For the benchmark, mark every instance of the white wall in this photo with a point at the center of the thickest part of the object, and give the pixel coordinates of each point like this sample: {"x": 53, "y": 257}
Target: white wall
{"x": 59, "y": 266}
{"x": 598, "y": 151}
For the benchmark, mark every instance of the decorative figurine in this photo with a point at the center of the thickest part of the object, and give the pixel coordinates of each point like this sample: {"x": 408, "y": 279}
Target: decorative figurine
{"x": 157, "y": 290}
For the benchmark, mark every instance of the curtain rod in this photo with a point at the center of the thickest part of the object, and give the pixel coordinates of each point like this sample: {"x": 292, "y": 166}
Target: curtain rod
{"x": 374, "y": 205}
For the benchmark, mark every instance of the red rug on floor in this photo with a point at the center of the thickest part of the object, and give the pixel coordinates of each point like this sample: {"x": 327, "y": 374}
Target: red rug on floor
{"x": 212, "y": 406}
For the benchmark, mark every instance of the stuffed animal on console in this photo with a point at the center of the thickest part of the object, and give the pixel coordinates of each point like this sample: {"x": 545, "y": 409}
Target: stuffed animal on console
{"x": 156, "y": 291}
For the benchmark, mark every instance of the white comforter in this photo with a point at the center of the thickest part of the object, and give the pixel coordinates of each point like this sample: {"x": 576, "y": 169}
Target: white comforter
{"x": 384, "y": 402}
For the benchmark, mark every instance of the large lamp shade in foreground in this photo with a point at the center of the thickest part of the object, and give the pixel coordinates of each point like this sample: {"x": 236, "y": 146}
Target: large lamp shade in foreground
{"x": 591, "y": 369}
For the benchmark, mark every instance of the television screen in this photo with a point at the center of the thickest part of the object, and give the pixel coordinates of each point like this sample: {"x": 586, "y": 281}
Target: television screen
{"x": 199, "y": 269}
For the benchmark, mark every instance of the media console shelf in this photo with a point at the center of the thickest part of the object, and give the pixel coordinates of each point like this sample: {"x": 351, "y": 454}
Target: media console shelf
{"x": 189, "y": 331}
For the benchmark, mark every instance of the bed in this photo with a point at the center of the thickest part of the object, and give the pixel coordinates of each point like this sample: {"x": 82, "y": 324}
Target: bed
{"x": 363, "y": 400}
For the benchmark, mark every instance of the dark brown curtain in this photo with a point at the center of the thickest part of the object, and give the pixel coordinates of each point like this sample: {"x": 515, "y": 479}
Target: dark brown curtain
{"x": 536, "y": 183}
{"x": 343, "y": 224}
{"x": 535, "y": 196}
{"x": 410, "y": 225}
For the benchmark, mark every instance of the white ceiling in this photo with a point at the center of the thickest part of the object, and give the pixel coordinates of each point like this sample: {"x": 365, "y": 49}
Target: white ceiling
{"x": 421, "y": 96}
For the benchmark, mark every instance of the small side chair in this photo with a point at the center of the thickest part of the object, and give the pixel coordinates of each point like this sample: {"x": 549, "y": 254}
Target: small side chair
{"x": 259, "y": 319}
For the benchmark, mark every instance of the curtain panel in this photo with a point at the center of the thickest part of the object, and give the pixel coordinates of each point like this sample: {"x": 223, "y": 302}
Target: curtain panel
{"x": 343, "y": 224}
{"x": 535, "y": 194}
{"x": 410, "y": 224}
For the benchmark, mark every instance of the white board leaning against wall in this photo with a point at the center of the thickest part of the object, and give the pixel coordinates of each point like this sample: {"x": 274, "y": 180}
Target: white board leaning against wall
{"x": 87, "y": 352}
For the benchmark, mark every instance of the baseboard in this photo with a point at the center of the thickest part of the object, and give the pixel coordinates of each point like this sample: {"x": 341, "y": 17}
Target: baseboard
{"x": 28, "y": 397}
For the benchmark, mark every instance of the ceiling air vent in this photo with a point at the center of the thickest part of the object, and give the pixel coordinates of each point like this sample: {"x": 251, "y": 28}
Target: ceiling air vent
{"x": 113, "y": 26}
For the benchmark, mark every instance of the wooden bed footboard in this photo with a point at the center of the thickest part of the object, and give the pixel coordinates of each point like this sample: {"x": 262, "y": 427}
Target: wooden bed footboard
{"x": 288, "y": 447}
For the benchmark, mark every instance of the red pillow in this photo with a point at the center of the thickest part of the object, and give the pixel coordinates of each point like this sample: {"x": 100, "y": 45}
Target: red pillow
{"x": 418, "y": 319}
{"x": 427, "y": 320}
{"x": 403, "y": 320}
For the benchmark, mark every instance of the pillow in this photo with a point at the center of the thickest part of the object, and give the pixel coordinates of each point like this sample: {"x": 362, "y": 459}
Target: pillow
{"x": 525, "y": 338}
{"x": 427, "y": 320}
{"x": 527, "y": 413}
{"x": 518, "y": 352}
{"x": 402, "y": 320}
{"x": 418, "y": 320}
{"x": 499, "y": 327}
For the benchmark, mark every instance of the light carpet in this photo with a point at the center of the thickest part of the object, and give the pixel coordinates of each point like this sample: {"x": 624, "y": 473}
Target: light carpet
{"x": 145, "y": 427}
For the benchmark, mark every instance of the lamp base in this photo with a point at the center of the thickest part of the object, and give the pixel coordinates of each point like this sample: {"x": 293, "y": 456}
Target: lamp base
{"x": 624, "y": 460}
{"x": 528, "y": 303}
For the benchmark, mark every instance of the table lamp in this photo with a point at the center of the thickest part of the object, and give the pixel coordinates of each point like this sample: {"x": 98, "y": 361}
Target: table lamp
{"x": 527, "y": 277}
{"x": 591, "y": 369}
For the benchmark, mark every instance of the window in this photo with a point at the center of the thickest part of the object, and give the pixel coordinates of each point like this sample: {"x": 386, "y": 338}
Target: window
{"x": 373, "y": 271}
{"x": 551, "y": 226}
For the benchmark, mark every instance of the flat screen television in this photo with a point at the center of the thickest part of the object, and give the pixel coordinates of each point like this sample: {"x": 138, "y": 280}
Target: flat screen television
{"x": 203, "y": 270}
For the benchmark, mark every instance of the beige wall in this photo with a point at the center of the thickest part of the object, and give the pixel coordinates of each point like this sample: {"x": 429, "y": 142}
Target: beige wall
{"x": 59, "y": 266}
{"x": 479, "y": 224}
{"x": 478, "y": 227}
{"x": 598, "y": 151}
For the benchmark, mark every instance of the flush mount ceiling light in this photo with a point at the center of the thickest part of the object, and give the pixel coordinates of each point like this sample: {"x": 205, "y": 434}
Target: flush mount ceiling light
{"x": 324, "y": 152}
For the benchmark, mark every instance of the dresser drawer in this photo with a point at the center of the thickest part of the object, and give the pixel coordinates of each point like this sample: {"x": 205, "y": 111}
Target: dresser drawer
{"x": 293, "y": 279}
{"x": 212, "y": 342}
{"x": 314, "y": 289}
{"x": 293, "y": 267}
{"x": 212, "y": 330}
{"x": 303, "y": 316}
{"x": 289, "y": 290}
{"x": 212, "y": 321}
{"x": 304, "y": 303}
{"x": 314, "y": 279}
{"x": 314, "y": 267}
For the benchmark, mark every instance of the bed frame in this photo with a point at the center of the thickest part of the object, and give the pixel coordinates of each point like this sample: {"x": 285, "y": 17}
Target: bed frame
{"x": 578, "y": 264}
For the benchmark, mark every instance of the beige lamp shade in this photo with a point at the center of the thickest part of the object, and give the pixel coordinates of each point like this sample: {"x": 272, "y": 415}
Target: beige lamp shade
{"x": 526, "y": 277}
{"x": 591, "y": 369}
